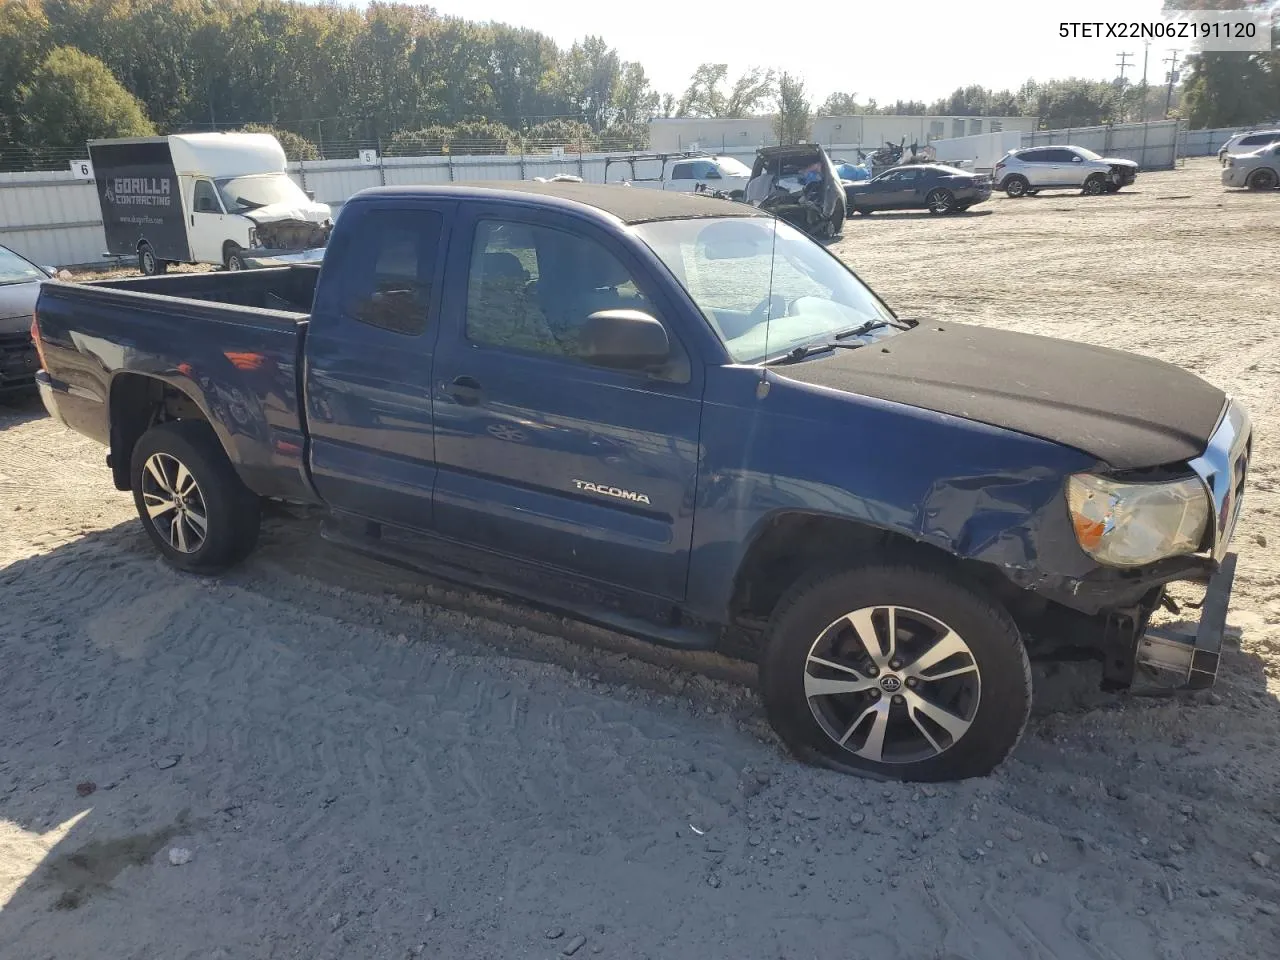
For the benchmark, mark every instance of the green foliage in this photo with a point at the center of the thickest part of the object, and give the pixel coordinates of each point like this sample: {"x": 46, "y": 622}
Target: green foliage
{"x": 24, "y": 41}
{"x": 482, "y": 137}
{"x": 794, "y": 114}
{"x": 705, "y": 96}
{"x": 840, "y": 105}
{"x": 72, "y": 98}
{"x": 427, "y": 142}
{"x": 296, "y": 146}
{"x": 571, "y": 134}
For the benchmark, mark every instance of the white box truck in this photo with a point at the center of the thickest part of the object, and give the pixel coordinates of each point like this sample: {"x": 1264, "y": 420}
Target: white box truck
{"x": 221, "y": 198}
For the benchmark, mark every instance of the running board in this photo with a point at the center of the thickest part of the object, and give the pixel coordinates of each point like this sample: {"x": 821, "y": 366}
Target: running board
{"x": 372, "y": 544}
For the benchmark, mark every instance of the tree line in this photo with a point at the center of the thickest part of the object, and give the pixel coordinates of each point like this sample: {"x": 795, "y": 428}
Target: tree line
{"x": 412, "y": 81}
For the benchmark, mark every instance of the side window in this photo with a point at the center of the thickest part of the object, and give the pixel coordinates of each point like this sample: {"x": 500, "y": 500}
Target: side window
{"x": 205, "y": 198}
{"x": 391, "y": 267}
{"x": 706, "y": 170}
{"x": 682, "y": 171}
{"x": 1255, "y": 141}
{"x": 531, "y": 288}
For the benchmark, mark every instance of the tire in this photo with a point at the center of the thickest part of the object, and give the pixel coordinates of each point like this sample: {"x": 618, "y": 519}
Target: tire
{"x": 1113, "y": 187}
{"x": 985, "y": 684}
{"x": 149, "y": 265}
{"x": 234, "y": 258}
{"x": 941, "y": 201}
{"x": 1016, "y": 185}
{"x": 1095, "y": 184}
{"x": 187, "y": 452}
{"x": 1032, "y": 193}
{"x": 1263, "y": 179}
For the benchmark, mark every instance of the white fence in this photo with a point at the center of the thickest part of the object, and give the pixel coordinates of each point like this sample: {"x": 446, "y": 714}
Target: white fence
{"x": 53, "y": 217}
{"x": 1154, "y": 145}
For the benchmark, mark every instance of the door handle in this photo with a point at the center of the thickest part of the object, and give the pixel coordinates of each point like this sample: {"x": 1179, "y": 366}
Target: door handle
{"x": 466, "y": 390}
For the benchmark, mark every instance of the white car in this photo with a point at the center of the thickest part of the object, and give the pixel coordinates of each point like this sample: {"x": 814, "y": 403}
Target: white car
{"x": 1247, "y": 143}
{"x": 682, "y": 173}
{"x": 1259, "y": 170}
{"x": 1025, "y": 172}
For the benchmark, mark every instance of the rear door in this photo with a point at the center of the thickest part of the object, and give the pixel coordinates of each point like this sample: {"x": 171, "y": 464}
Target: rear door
{"x": 369, "y": 353}
{"x": 544, "y": 457}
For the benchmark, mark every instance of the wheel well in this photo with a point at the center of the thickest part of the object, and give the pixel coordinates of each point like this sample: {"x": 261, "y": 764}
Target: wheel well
{"x": 792, "y": 545}
{"x": 136, "y": 404}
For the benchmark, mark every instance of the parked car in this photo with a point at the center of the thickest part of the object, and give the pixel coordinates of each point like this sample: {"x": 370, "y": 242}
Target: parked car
{"x": 1259, "y": 170}
{"x": 799, "y": 184}
{"x": 681, "y": 173}
{"x": 1026, "y": 172}
{"x": 931, "y": 186}
{"x": 220, "y": 198}
{"x": 1247, "y": 143}
{"x": 680, "y": 418}
{"x": 20, "y": 281}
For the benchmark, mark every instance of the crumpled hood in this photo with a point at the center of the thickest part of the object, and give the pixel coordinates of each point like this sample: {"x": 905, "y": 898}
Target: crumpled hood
{"x": 1126, "y": 410}
{"x": 276, "y": 212}
{"x": 1121, "y": 161}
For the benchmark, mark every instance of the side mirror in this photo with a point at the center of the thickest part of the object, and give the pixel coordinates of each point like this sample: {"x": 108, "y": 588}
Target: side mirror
{"x": 1077, "y": 159}
{"x": 625, "y": 340}
{"x": 51, "y": 271}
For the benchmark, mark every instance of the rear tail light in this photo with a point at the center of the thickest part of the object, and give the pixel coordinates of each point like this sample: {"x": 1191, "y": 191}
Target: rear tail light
{"x": 35, "y": 338}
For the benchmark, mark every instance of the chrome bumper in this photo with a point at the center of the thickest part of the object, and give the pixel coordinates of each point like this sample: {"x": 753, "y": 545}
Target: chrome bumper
{"x": 1223, "y": 467}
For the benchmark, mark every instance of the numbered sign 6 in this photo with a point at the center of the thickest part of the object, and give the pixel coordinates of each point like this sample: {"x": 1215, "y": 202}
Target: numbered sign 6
{"x": 82, "y": 169}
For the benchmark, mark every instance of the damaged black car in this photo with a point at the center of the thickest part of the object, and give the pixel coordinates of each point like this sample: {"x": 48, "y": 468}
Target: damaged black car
{"x": 799, "y": 184}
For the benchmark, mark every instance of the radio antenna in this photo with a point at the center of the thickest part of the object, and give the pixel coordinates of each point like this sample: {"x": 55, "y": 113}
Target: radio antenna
{"x": 762, "y": 388}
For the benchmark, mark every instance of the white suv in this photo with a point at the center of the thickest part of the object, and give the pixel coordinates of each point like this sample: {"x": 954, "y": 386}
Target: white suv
{"x": 1247, "y": 143}
{"x": 1023, "y": 172}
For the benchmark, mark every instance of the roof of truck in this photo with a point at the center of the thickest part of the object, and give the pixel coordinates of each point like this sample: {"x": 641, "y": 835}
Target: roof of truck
{"x": 628, "y": 204}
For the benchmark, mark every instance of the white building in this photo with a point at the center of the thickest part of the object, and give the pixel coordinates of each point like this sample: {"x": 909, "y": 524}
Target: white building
{"x": 868, "y": 132}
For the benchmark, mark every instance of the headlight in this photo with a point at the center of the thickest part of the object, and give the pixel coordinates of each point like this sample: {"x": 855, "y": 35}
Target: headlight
{"x": 1130, "y": 524}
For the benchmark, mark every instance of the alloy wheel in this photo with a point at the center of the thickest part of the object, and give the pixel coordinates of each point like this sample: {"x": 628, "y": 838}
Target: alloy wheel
{"x": 892, "y": 685}
{"x": 174, "y": 503}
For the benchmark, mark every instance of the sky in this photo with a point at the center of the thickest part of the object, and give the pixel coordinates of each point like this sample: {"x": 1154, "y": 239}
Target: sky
{"x": 882, "y": 49}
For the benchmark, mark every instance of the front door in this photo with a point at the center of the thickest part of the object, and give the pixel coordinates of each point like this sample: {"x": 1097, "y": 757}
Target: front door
{"x": 369, "y": 352}
{"x": 543, "y": 456}
{"x": 208, "y": 223}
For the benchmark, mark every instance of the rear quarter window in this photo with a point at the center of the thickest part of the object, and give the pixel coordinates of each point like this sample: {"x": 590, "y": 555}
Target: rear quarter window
{"x": 391, "y": 262}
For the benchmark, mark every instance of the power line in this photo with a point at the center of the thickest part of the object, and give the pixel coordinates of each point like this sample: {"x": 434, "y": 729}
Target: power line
{"x": 1172, "y": 60}
{"x": 1124, "y": 58}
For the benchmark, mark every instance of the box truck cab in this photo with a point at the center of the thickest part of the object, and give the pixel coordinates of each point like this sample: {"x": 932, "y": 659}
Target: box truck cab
{"x": 220, "y": 198}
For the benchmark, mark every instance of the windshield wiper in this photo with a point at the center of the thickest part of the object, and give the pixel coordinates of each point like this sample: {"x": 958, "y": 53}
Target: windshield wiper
{"x": 836, "y": 343}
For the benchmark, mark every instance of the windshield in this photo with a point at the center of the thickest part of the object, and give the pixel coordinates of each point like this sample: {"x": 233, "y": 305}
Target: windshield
{"x": 732, "y": 167}
{"x": 1087, "y": 153}
{"x": 751, "y": 285}
{"x": 13, "y": 269}
{"x": 240, "y": 194}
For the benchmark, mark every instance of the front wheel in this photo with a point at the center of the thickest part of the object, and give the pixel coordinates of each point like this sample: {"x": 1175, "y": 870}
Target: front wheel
{"x": 1095, "y": 184}
{"x": 896, "y": 672}
{"x": 941, "y": 201}
{"x": 192, "y": 504}
{"x": 234, "y": 257}
{"x": 1263, "y": 179}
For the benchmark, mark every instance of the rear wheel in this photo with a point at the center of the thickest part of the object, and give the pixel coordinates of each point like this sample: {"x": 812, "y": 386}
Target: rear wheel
{"x": 148, "y": 263}
{"x": 1095, "y": 184}
{"x": 940, "y": 201}
{"x": 1016, "y": 185}
{"x": 193, "y": 505}
{"x": 1263, "y": 179}
{"x": 897, "y": 672}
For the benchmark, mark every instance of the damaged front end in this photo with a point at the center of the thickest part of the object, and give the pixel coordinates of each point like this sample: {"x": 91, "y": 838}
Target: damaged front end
{"x": 291, "y": 234}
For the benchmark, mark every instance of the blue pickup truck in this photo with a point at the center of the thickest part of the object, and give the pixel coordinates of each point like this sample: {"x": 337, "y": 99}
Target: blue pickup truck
{"x": 680, "y": 418}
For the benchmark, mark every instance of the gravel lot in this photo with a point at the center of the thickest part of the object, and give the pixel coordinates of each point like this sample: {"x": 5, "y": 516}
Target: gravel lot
{"x": 360, "y": 764}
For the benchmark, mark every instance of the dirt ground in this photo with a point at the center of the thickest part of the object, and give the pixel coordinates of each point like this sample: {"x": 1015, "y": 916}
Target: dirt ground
{"x": 360, "y": 764}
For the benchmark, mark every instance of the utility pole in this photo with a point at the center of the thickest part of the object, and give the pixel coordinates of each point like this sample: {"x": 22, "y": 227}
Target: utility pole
{"x": 1124, "y": 62}
{"x": 1146, "y": 51}
{"x": 1172, "y": 60}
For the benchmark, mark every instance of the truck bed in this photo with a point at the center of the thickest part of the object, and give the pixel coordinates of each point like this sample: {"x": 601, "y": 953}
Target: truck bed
{"x": 228, "y": 341}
